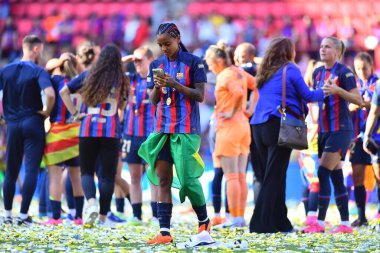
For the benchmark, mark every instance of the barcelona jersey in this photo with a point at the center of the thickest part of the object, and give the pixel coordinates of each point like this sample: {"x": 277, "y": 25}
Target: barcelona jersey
{"x": 376, "y": 101}
{"x": 101, "y": 120}
{"x": 359, "y": 117}
{"x": 176, "y": 113}
{"x": 333, "y": 111}
{"x": 139, "y": 113}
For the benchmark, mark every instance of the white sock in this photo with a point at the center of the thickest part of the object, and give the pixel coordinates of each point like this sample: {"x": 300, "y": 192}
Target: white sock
{"x": 227, "y": 215}
{"x": 23, "y": 216}
{"x": 8, "y": 214}
{"x": 310, "y": 213}
{"x": 216, "y": 214}
{"x": 346, "y": 223}
{"x": 109, "y": 213}
{"x": 321, "y": 223}
{"x": 73, "y": 212}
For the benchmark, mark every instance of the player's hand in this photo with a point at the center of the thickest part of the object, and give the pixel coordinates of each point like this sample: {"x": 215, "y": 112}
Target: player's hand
{"x": 45, "y": 114}
{"x": 169, "y": 81}
{"x": 226, "y": 115}
{"x": 330, "y": 87}
{"x": 159, "y": 80}
{"x": 128, "y": 58}
{"x": 79, "y": 117}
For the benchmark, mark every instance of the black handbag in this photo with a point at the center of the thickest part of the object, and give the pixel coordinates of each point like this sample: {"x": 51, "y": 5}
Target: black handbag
{"x": 293, "y": 131}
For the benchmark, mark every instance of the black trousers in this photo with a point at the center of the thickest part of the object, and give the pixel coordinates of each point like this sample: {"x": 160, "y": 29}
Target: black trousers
{"x": 270, "y": 214}
{"x": 107, "y": 150}
{"x": 258, "y": 171}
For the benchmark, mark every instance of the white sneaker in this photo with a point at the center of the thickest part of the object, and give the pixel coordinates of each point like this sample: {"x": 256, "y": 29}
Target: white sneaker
{"x": 92, "y": 213}
{"x": 107, "y": 223}
{"x": 228, "y": 224}
{"x": 202, "y": 239}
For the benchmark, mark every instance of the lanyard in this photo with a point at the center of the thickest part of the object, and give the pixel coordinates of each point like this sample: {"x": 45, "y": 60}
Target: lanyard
{"x": 168, "y": 90}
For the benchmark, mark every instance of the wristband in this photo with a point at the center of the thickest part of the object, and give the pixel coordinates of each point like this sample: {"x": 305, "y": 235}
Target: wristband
{"x": 75, "y": 113}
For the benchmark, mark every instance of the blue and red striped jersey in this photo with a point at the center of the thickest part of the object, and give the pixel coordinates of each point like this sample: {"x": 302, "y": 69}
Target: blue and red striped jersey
{"x": 333, "y": 111}
{"x": 60, "y": 114}
{"x": 139, "y": 113}
{"x": 176, "y": 113}
{"x": 101, "y": 120}
{"x": 359, "y": 117}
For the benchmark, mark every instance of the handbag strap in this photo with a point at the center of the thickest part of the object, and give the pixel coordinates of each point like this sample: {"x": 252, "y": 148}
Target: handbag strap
{"x": 283, "y": 102}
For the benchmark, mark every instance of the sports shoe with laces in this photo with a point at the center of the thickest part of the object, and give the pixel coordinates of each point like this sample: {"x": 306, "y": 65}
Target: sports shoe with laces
{"x": 314, "y": 228}
{"x": 115, "y": 218}
{"x": 218, "y": 220}
{"x": 52, "y": 222}
{"x": 342, "y": 229}
{"x": 134, "y": 221}
{"x": 8, "y": 221}
{"x": 92, "y": 213}
{"x": 359, "y": 223}
{"x": 25, "y": 222}
{"x": 201, "y": 239}
{"x": 310, "y": 220}
{"x": 78, "y": 221}
{"x": 160, "y": 239}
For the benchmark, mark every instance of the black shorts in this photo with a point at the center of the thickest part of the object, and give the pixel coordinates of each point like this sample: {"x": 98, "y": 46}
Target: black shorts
{"x": 73, "y": 162}
{"x": 165, "y": 153}
{"x": 130, "y": 149}
{"x": 338, "y": 141}
{"x": 358, "y": 155}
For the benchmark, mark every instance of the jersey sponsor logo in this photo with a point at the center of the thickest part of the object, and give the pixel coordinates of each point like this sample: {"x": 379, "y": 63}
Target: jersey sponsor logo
{"x": 349, "y": 75}
{"x": 201, "y": 66}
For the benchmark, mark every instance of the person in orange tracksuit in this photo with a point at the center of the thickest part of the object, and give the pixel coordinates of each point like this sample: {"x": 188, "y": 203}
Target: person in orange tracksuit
{"x": 232, "y": 128}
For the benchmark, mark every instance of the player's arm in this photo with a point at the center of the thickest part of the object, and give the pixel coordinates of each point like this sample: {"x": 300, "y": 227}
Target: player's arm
{"x": 50, "y": 100}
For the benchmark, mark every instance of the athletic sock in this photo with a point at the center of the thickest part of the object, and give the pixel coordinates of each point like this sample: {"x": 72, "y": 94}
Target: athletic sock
{"x": 137, "y": 210}
{"x": 153, "y": 205}
{"x": 360, "y": 198}
{"x": 324, "y": 192}
{"x": 79, "y": 202}
{"x": 56, "y": 209}
{"x": 217, "y": 189}
{"x": 120, "y": 205}
{"x": 340, "y": 193}
{"x": 164, "y": 213}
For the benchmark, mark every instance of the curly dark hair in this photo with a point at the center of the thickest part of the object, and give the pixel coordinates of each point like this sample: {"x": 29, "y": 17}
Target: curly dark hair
{"x": 106, "y": 74}
{"x": 279, "y": 52}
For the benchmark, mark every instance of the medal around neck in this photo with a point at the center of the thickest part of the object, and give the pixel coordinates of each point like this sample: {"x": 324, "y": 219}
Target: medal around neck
{"x": 168, "y": 101}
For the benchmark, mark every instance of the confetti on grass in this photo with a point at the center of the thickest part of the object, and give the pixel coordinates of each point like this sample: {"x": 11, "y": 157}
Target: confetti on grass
{"x": 70, "y": 238}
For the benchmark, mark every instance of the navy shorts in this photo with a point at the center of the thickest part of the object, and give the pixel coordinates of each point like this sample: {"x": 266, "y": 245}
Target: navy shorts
{"x": 130, "y": 149}
{"x": 376, "y": 158}
{"x": 338, "y": 141}
{"x": 73, "y": 162}
{"x": 358, "y": 155}
{"x": 165, "y": 154}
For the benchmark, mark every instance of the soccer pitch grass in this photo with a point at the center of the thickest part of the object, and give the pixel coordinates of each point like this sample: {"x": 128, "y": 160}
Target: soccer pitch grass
{"x": 70, "y": 238}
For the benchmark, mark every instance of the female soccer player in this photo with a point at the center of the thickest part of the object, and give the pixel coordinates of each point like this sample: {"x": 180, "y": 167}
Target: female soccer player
{"x": 366, "y": 82}
{"x": 61, "y": 148}
{"x": 232, "y": 128}
{"x": 335, "y": 131}
{"x": 178, "y": 87}
{"x": 138, "y": 124}
{"x": 104, "y": 91}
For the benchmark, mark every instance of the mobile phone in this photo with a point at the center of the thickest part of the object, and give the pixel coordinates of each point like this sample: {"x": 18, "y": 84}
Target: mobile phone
{"x": 372, "y": 147}
{"x": 158, "y": 72}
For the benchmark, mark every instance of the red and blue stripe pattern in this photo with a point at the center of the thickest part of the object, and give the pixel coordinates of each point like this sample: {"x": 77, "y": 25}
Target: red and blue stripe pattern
{"x": 139, "y": 113}
{"x": 175, "y": 112}
{"x": 333, "y": 111}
